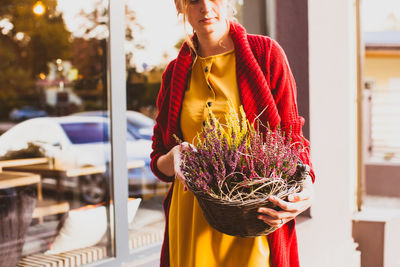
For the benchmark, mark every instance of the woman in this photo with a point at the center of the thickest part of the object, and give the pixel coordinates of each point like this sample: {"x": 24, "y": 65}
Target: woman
{"x": 218, "y": 64}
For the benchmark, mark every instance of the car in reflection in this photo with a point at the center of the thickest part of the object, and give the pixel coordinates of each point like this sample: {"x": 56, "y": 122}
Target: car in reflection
{"x": 26, "y": 112}
{"x": 138, "y": 124}
{"x": 82, "y": 141}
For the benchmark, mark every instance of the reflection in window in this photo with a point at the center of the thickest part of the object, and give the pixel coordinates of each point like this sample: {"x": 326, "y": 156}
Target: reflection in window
{"x": 153, "y": 38}
{"x": 54, "y": 175}
{"x": 86, "y": 133}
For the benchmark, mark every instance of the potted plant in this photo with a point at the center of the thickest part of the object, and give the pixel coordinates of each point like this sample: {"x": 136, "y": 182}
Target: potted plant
{"x": 235, "y": 166}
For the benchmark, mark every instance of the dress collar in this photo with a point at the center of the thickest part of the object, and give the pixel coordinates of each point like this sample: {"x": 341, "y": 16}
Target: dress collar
{"x": 256, "y": 96}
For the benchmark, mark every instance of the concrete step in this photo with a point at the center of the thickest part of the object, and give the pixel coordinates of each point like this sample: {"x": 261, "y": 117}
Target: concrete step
{"x": 376, "y": 230}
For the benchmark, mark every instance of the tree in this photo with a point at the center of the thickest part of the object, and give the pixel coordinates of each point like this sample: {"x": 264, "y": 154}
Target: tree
{"x": 28, "y": 43}
{"x": 89, "y": 57}
{"x": 89, "y": 52}
{"x": 36, "y": 39}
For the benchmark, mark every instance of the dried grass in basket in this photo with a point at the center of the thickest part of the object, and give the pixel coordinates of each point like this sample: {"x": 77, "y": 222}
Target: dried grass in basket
{"x": 235, "y": 167}
{"x": 239, "y": 217}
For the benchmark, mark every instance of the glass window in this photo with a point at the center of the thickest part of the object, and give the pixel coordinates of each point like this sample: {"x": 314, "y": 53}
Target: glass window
{"x": 153, "y": 39}
{"x": 149, "y": 46}
{"x": 54, "y": 174}
{"x": 54, "y": 169}
{"x": 86, "y": 133}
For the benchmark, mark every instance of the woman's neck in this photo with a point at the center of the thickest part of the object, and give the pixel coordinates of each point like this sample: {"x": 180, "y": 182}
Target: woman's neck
{"x": 214, "y": 43}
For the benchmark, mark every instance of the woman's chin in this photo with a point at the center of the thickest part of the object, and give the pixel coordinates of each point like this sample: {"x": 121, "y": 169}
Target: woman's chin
{"x": 210, "y": 28}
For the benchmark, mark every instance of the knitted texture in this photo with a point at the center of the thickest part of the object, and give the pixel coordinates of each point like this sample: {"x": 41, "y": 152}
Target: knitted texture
{"x": 268, "y": 92}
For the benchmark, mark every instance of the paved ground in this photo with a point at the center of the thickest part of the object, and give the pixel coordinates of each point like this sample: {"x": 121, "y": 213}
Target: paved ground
{"x": 146, "y": 233}
{"x": 149, "y": 257}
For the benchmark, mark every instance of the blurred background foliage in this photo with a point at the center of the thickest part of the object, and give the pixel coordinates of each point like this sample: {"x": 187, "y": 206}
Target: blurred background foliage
{"x": 28, "y": 42}
{"x": 31, "y": 42}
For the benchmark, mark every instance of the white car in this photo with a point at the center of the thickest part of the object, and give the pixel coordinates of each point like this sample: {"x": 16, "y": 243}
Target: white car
{"x": 138, "y": 124}
{"x": 74, "y": 141}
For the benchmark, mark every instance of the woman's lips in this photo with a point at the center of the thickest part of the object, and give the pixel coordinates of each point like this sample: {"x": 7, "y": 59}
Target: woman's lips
{"x": 208, "y": 20}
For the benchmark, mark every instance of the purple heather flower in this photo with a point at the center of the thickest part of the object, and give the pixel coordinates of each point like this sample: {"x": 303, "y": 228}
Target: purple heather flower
{"x": 259, "y": 153}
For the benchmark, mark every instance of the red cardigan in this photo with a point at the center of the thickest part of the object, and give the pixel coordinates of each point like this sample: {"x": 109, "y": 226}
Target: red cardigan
{"x": 265, "y": 82}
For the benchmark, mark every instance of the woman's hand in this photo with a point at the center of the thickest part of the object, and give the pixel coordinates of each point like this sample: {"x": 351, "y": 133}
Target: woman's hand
{"x": 170, "y": 163}
{"x": 176, "y": 153}
{"x": 297, "y": 203}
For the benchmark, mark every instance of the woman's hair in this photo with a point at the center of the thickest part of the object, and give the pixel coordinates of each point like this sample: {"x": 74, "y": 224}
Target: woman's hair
{"x": 182, "y": 9}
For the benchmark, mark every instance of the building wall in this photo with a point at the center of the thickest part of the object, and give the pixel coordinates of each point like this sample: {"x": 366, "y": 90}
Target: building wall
{"x": 329, "y": 38}
{"x": 382, "y": 71}
{"x": 382, "y": 68}
{"x": 287, "y": 23}
{"x": 254, "y": 16}
{"x": 292, "y": 34}
{"x": 326, "y": 239}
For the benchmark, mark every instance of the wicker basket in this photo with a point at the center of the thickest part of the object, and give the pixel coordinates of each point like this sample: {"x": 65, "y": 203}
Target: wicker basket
{"x": 16, "y": 208}
{"x": 235, "y": 217}
{"x": 239, "y": 218}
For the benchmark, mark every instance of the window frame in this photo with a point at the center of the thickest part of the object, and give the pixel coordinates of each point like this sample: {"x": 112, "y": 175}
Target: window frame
{"x": 116, "y": 71}
{"x": 116, "y": 74}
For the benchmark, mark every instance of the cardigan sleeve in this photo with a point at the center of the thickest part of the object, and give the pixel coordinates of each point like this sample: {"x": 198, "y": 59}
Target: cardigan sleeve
{"x": 160, "y": 127}
{"x": 284, "y": 90}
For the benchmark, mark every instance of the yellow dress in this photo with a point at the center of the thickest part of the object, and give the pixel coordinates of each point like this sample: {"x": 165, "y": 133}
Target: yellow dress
{"x": 192, "y": 241}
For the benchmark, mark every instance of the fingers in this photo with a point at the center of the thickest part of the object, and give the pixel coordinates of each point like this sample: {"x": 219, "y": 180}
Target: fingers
{"x": 287, "y": 206}
{"x": 296, "y": 197}
{"x": 276, "y": 215}
{"x": 274, "y": 222}
{"x": 306, "y": 194}
{"x": 289, "y": 209}
{"x": 178, "y": 173}
{"x": 186, "y": 145}
{"x": 177, "y": 162}
{"x": 182, "y": 178}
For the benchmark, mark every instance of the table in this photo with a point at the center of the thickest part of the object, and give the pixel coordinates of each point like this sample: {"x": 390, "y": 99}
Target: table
{"x": 49, "y": 207}
{"x": 48, "y": 170}
{"x": 42, "y": 170}
{"x": 16, "y": 208}
{"x": 10, "y": 179}
{"x": 21, "y": 162}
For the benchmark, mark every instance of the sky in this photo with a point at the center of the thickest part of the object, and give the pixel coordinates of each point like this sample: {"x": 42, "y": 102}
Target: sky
{"x": 162, "y": 30}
